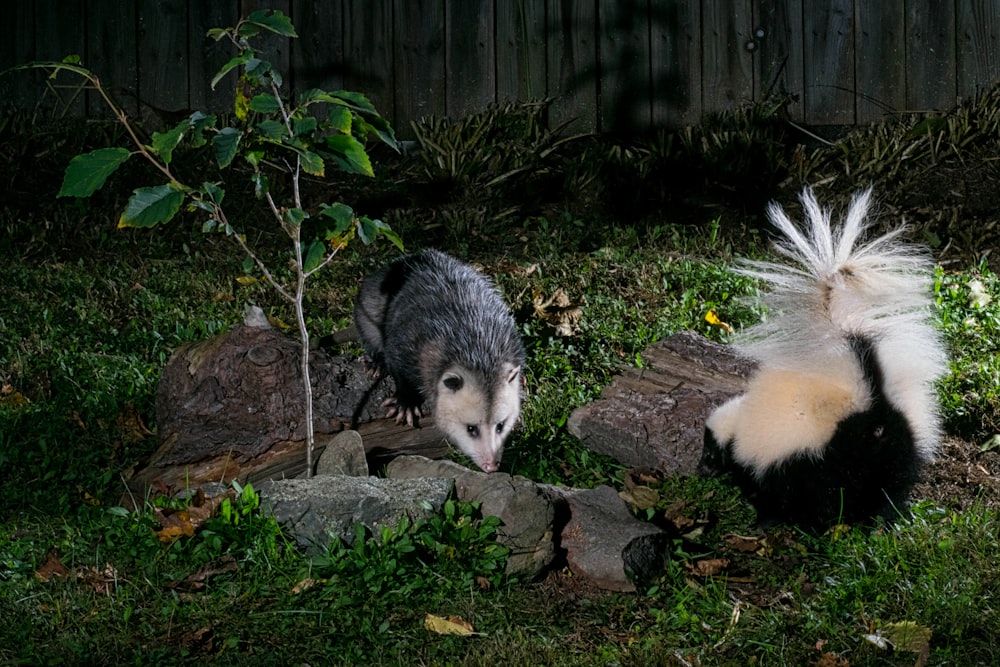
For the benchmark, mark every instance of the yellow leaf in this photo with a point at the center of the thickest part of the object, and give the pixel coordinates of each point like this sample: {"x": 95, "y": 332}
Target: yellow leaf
{"x": 908, "y": 636}
{"x": 452, "y": 625}
{"x": 712, "y": 318}
{"x": 246, "y": 281}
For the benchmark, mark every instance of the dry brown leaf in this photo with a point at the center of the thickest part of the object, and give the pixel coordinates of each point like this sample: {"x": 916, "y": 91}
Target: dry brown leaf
{"x": 640, "y": 497}
{"x": 450, "y": 625}
{"x": 558, "y": 311}
{"x": 305, "y": 585}
{"x": 173, "y": 525}
{"x": 197, "y": 580}
{"x": 708, "y": 566}
{"x": 742, "y": 543}
{"x": 52, "y": 567}
{"x": 133, "y": 429}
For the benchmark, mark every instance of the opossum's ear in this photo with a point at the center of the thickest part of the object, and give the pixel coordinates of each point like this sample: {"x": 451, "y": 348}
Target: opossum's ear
{"x": 452, "y": 381}
{"x": 513, "y": 373}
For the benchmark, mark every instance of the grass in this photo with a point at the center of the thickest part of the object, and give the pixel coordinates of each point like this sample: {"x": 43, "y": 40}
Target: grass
{"x": 88, "y": 316}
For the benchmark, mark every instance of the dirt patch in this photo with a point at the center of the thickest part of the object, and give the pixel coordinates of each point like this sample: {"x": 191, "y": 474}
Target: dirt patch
{"x": 961, "y": 476}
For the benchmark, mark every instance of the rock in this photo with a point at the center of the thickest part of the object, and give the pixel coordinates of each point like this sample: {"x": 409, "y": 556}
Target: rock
{"x": 655, "y": 416}
{"x": 317, "y": 509}
{"x": 343, "y": 454}
{"x": 525, "y": 512}
{"x": 604, "y": 543}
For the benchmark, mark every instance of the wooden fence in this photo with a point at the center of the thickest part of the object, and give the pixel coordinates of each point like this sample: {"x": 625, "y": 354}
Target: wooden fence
{"x": 607, "y": 64}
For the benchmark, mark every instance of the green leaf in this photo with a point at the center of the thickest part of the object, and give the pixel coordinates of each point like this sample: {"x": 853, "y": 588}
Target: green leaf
{"x": 295, "y": 216}
{"x": 342, "y": 216}
{"x": 199, "y": 123}
{"x": 271, "y": 129}
{"x": 312, "y": 163}
{"x": 340, "y": 119}
{"x": 226, "y": 144}
{"x": 275, "y": 21}
{"x": 350, "y": 154}
{"x": 148, "y": 207}
{"x": 213, "y": 192}
{"x": 265, "y": 103}
{"x": 164, "y": 143}
{"x": 260, "y": 184}
{"x": 230, "y": 66}
{"x": 314, "y": 255}
{"x": 367, "y": 229}
{"x": 88, "y": 172}
{"x": 306, "y": 125}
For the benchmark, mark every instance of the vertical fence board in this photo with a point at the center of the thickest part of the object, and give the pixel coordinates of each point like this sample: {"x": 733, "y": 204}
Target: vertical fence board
{"x": 572, "y": 64}
{"x": 18, "y": 90}
{"x": 57, "y": 35}
{"x": 520, "y": 50}
{"x": 623, "y": 31}
{"x": 881, "y": 60}
{"x": 675, "y": 52}
{"x": 419, "y": 59}
{"x": 470, "y": 57}
{"x": 162, "y": 47}
{"x": 828, "y": 54}
{"x": 777, "y": 35}
{"x": 111, "y": 55}
{"x": 978, "y": 31}
{"x": 930, "y": 55}
{"x": 318, "y": 53}
{"x": 207, "y": 56}
{"x": 605, "y": 64}
{"x": 368, "y": 56}
{"x": 727, "y": 65}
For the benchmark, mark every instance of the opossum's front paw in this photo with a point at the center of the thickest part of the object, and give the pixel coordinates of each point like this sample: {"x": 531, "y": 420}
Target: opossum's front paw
{"x": 371, "y": 367}
{"x": 410, "y": 414}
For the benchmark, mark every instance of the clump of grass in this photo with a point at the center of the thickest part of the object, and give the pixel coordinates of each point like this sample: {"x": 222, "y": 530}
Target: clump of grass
{"x": 969, "y": 315}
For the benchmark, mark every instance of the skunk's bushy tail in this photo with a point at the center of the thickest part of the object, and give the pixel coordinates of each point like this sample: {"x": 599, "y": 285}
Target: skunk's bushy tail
{"x": 837, "y": 286}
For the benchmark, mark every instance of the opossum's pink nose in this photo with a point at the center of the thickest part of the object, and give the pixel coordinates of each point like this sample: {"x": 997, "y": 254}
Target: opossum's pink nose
{"x": 490, "y": 466}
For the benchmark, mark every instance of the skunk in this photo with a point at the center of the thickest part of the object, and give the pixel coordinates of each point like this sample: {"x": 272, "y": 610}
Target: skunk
{"x": 841, "y": 413}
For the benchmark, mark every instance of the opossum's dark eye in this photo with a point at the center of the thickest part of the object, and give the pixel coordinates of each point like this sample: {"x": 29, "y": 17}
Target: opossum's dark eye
{"x": 500, "y": 427}
{"x": 473, "y": 430}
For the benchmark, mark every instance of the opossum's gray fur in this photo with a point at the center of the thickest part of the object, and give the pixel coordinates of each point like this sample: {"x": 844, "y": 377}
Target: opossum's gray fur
{"x": 445, "y": 335}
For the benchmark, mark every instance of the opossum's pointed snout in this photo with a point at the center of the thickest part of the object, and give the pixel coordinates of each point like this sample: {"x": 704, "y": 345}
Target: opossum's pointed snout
{"x": 489, "y": 466}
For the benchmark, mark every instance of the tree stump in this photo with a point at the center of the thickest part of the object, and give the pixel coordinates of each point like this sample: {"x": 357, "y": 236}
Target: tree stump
{"x": 233, "y": 408}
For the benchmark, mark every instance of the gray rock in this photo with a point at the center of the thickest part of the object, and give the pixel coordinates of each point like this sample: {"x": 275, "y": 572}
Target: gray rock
{"x": 317, "y": 509}
{"x": 604, "y": 543}
{"x": 343, "y": 454}
{"x": 526, "y": 513}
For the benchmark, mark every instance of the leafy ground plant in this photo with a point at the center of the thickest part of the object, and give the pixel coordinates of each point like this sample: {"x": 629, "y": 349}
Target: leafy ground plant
{"x": 271, "y": 135}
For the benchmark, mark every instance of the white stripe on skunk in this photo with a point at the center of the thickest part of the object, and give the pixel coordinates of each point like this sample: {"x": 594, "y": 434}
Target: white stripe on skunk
{"x": 842, "y": 412}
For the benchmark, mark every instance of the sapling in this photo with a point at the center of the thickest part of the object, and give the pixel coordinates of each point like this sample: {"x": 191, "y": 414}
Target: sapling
{"x": 270, "y": 134}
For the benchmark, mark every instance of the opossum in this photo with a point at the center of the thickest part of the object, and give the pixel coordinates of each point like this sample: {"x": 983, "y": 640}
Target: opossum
{"x": 443, "y": 333}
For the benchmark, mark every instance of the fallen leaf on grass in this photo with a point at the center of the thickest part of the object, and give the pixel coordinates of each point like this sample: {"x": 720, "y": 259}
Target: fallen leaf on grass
{"x": 173, "y": 525}
{"x": 451, "y": 625}
{"x": 904, "y": 636}
{"x": 742, "y": 543}
{"x": 708, "y": 566}
{"x": 558, "y": 311}
{"x": 305, "y": 585}
{"x": 51, "y": 568}
{"x": 640, "y": 497}
{"x": 101, "y": 581}
{"x": 197, "y": 580}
